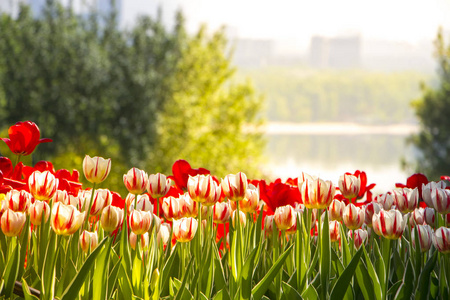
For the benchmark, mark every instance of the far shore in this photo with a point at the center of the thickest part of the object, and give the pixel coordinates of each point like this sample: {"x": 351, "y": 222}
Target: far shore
{"x": 285, "y": 128}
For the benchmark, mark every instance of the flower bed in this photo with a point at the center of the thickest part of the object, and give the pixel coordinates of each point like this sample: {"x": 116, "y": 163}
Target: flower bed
{"x": 191, "y": 235}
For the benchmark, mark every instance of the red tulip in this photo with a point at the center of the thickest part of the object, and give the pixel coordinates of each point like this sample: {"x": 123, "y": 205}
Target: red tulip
{"x": 181, "y": 170}
{"x": 24, "y": 137}
{"x": 278, "y": 194}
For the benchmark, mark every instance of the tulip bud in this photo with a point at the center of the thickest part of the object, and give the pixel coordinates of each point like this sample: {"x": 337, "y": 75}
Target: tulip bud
{"x": 417, "y": 217}
{"x": 42, "y": 185}
{"x": 188, "y": 207}
{"x": 359, "y": 237}
{"x": 184, "y": 229}
{"x": 144, "y": 240}
{"x": 385, "y": 200}
{"x": 335, "y": 234}
{"x": 88, "y": 241}
{"x": 242, "y": 218}
{"x": 336, "y": 209}
{"x": 429, "y": 189}
{"x": 425, "y": 237}
{"x": 96, "y": 169}
{"x": 370, "y": 209}
{"x": 158, "y": 185}
{"x": 317, "y": 193}
{"x": 353, "y": 216}
{"x": 440, "y": 198}
{"x": 221, "y": 212}
{"x": 140, "y": 221}
{"x": 156, "y": 223}
{"x": 61, "y": 196}
{"x": 102, "y": 198}
{"x": 390, "y": 224}
{"x": 18, "y": 200}
{"x": 66, "y": 219}
{"x": 37, "y": 210}
{"x": 235, "y": 186}
{"x": 406, "y": 199}
{"x": 293, "y": 229}
{"x": 171, "y": 208}
{"x": 349, "y": 186}
{"x": 144, "y": 203}
{"x": 12, "y": 222}
{"x": 430, "y": 216}
{"x": 111, "y": 218}
{"x": 268, "y": 225}
{"x": 285, "y": 217}
{"x": 163, "y": 234}
{"x": 203, "y": 189}
{"x": 441, "y": 239}
{"x": 250, "y": 202}
{"x": 136, "y": 181}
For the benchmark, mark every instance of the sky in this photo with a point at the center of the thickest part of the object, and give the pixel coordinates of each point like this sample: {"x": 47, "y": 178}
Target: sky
{"x": 411, "y": 21}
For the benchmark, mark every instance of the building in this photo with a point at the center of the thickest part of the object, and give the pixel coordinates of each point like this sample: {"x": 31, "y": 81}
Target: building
{"x": 338, "y": 52}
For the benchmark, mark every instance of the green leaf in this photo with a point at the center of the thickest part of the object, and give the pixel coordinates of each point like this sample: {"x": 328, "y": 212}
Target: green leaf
{"x": 71, "y": 291}
{"x": 168, "y": 267}
{"x": 246, "y": 275}
{"x": 26, "y": 291}
{"x": 325, "y": 255}
{"x": 422, "y": 290}
{"x": 222, "y": 295}
{"x": 235, "y": 257}
{"x": 11, "y": 272}
{"x": 289, "y": 292}
{"x": 219, "y": 276}
{"x": 372, "y": 273}
{"x": 183, "y": 292}
{"x": 310, "y": 293}
{"x": 112, "y": 279}
{"x": 407, "y": 287}
{"x": 48, "y": 270}
{"x": 344, "y": 280}
{"x": 364, "y": 281}
{"x": 259, "y": 290}
{"x": 100, "y": 281}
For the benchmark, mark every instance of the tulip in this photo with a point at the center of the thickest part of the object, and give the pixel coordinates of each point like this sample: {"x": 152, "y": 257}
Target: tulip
{"x": 163, "y": 235}
{"x": 359, "y": 237}
{"x": 385, "y": 200}
{"x": 66, "y": 219}
{"x": 425, "y": 237}
{"x": 335, "y": 234}
{"x": 353, "y": 216}
{"x": 203, "y": 189}
{"x": 96, "y": 169}
{"x": 390, "y": 224}
{"x": 293, "y": 228}
{"x": 417, "y": 217}
{"x": 144, "y": 240}
{"x": 349, "y": 186}
{"x": 317, "y": 193}
{"x": 62, "y": 196}
{"x": 285, "y": 217}
{"x": 158, "y": 185}
{"x": 268, "y": 225}
{"x": 140, "y": 221}
{"x": 370, "y": 209}
{"x": 37, "y": 210}
{"x": 111, "y": 218}
{"x": 430, "y": 216}
{"x": 42, "y": 185}
{"x": 235, "y": 186}
{"x": 23, "y": 138}
{"x": 406, "y": 199}
{"x": 188, "y": 207}
{"x": 102, "y": 198}
{"x": 440, "y": 200}
{"x": 88, "y": 241}
{"x": 171, "y": 208}
{"x": 336, "y": 209}
{"x": 136, "y": 181}
{"x": 18, "y": 200}
{"x": 184, "y": 229}
{"x": 156, "y": 223}
{"x": 12, "y": 222}
{"x": 250, "y": 202}
{"x": 429, "y": 189}
{"x": 441, "y": 239}
{"x": 144, "y": 203}
{"x": 242, "y": 218}
{"x": 221, "y": 212}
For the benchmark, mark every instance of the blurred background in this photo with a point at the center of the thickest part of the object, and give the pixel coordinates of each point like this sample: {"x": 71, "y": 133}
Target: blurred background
{"x": 268, "y": 88}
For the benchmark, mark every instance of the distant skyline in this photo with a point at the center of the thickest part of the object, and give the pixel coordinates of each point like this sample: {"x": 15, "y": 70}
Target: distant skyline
{"x": 412, "y": 21}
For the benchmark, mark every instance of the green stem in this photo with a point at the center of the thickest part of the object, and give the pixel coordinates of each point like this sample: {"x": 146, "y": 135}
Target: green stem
{"x": 18, "y": 159}
{"x": 157, "y": 207}
{"x": 86, "y": 221}
{"x": 199, "y": 267}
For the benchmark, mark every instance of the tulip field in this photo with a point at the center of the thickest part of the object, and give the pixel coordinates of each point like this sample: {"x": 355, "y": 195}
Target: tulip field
{"x": 192, "y": 235}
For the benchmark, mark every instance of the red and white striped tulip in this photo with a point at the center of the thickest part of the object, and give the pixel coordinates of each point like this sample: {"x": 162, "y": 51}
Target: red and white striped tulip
{"x": 336, "y": 210}
{"x": 430, "y": 216}
{"x": 385, "y": 200}
{"x": 12, "y": 222}
{"x": 293, "y": 229}
{"x": 285, "y": 217}
{"x": 188, "y": 207}
{"x": 66, "y": 219}
{"x": 370, "y": 209}
{"x": 143, "y": 243}
{"x": 37, "y": 210}
{"x": 349, "y": 186}
{"x": 440, "y": 200}
{"x": 88, "y": 241}
{"x": 429, "y": 189}
{"x": 425, "y": 237}
{"x": 317, "y": 193}
{"x": 42, "y": 185}
{"x": 417, "y": 217}
{"x": 203, "y": 189}
{"x": 96, "y": 169}
{"x": 335, "y": 233}
{"x": 390, "y": 224}
{"x": 221, "y": 212}
{"x": 102, "y": 198}
{"x": 136, "y": 181}
{"x": 140, "y": 221}
{"x": 353, "y": 216}
{"x": 406, "y": 199}
{"x": 184, "y": 229}
{"x": 171, "y": 208}
{"x": 144, "y": 203}
{"x": 268, "y": 225}
{"x": 111, "y": 218}
{"x": 234, "y": 186}
{"x": 441, "y": 239}
{"x": 250, "y": 202}
{"x": 163, "y": 235}
{"x": 18, "y": 200}
{"x": 359, "y": 237}
{"x": 158, "y": 185}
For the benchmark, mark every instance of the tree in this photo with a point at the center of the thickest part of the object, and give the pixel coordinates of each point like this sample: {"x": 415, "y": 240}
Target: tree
{"x": 433, "y": 111}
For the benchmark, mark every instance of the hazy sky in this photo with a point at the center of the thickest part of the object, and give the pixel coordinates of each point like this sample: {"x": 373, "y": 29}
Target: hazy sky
{"x": 404, "y": 20}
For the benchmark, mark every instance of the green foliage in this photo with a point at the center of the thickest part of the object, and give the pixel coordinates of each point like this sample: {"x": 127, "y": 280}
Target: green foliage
{"x": 144, "y": 97}
{"x": 432, "y": 110}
